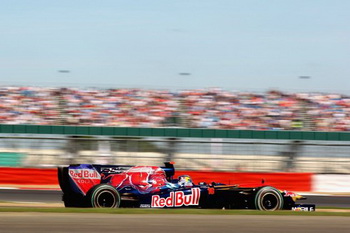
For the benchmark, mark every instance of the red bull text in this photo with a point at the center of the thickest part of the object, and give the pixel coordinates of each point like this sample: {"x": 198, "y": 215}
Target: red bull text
{"x": 85, "y": 178}
{"x": 177, "y": 199}
{"x": 84, "y": 174}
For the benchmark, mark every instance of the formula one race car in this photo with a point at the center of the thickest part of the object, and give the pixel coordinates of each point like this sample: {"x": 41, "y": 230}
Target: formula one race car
{"x": 113, "y": 186}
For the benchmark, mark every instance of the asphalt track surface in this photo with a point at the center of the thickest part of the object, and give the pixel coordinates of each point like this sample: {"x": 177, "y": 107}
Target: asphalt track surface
{"x": 79, "y": 223}
{"x": 89, "y": 222}
{"x": 50, "y": 196}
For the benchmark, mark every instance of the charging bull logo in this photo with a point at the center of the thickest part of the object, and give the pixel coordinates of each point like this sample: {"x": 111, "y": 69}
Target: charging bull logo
{"x": 144, "y": 179}
{"x": 177, "y": 199}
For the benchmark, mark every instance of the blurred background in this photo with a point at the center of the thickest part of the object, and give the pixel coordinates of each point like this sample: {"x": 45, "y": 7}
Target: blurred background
{"x": 190, "y": 109}
{"x": 247, "y": 66}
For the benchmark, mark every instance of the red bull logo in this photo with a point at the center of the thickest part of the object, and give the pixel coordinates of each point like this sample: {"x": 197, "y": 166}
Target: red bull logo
{"x": 289, "y": 194}
{"x": 177, "y": 199}
{"x": 85, "y": 178}
{"x": 84, "y": 174}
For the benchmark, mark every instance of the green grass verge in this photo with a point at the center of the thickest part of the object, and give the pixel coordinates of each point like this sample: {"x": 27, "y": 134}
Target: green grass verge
{"x": 332, "y": 208}
{"x": 167, "y": 211}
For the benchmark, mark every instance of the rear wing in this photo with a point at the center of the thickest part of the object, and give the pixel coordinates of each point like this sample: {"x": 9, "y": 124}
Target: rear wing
{"x": 80, "y": 178}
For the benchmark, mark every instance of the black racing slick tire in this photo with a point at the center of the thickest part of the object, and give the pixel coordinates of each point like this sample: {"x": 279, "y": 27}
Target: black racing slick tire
{"x": 268, "y": 199}
{"x": 104, "y": 196}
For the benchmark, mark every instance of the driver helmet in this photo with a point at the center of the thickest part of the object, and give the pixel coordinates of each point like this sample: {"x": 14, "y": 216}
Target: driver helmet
{"x": 185, "y": 181}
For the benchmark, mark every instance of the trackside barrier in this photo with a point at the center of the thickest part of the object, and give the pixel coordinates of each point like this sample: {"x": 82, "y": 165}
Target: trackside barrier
{"x": 287, "y": 181}
{"x": 332, "y": 183}
{"x": 283, "y": 181}
{"x": 302, "y": 182}
{"x": 28, "y": 176}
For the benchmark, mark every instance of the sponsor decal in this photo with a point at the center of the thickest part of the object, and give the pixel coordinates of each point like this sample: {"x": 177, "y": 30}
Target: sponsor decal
{"x": 303, "y": 208}
{"x": 145, "y": 206}
{"x": 84, "y": 178}
{"x": 177, "y": 199}
{"x": 84, "y": 174}
{"x": 290, "y": 194}
{"x": 143, "y": 179}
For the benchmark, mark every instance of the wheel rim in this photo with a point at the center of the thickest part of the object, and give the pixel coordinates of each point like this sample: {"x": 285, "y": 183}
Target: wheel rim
{"x": 269, "y": 201}
{"x": 105, "y": 199}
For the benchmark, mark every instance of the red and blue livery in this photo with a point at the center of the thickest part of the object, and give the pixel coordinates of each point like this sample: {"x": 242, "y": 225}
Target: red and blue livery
{"x": 113, "y": 186}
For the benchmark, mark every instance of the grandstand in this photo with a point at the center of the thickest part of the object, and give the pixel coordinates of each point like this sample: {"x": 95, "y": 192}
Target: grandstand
{"x": 204, "y": 109}
{"x": 212, "y": 108}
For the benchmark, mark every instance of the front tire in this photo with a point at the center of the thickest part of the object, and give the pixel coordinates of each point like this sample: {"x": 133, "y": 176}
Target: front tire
{"x": 268, "y": 199}
{"x": 104, "y": 196}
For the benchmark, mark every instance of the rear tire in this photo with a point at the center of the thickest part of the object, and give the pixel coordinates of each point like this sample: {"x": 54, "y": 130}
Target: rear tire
{"x": 104, "y": 196}
{"x": 268, "y": 199}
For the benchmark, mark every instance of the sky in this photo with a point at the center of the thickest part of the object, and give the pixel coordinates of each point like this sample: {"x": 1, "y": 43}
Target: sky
{"x": 180, "y": 44}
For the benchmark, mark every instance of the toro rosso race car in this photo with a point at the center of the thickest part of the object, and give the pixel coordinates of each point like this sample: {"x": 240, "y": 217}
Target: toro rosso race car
{"x": 113, "y": 186}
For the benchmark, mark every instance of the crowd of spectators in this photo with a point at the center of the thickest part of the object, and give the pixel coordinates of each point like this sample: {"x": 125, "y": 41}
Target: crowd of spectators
{"x": 28, "y": 105}
{"x": 212, "y": 108}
